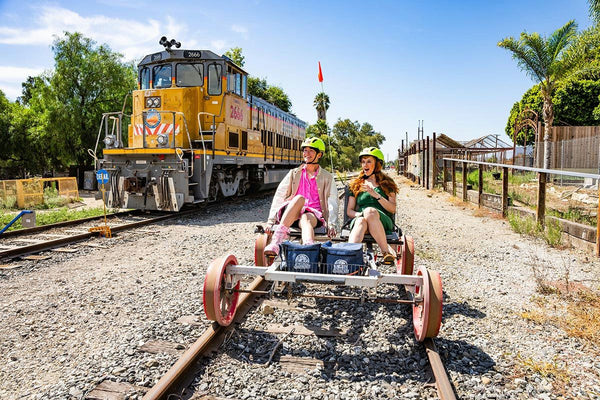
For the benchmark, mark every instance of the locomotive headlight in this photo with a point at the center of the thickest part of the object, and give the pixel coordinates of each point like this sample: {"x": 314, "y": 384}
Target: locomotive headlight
{"x": 162, "y": 139}
{"x": 109, "y": 140}
{"x": 152, "y": 102}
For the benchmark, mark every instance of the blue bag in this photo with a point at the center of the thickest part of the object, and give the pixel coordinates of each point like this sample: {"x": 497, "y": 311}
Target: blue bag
{"x": 343, "y": 258}
{"x": 300, "y": 258}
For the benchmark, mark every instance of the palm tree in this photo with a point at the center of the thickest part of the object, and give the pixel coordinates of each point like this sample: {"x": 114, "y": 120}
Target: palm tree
{"x": 543, "y": 59}
{"x": 321, "y": 103}
{"x": 595, "y": 10}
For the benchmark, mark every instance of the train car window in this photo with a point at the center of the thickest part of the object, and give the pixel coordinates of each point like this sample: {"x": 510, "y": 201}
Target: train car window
{"x": 238, "y": 84}
{"x": 214, "y": 79}
{"x": 162, "y": 76}
{"x": 244, "y": 86}
{"x": 244, "y": 140}
{"x": 189, "y": 75}
{"x": 145, "y": 78}
{"x": 234, "y": 139}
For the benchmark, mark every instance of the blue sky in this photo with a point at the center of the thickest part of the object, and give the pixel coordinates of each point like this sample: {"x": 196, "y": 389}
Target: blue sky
{"x": 389, "y": 63}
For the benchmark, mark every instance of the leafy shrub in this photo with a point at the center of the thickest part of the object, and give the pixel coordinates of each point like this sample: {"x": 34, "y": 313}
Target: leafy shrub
{"x": 52, "y": 199}
{"x": 9, "y": 202}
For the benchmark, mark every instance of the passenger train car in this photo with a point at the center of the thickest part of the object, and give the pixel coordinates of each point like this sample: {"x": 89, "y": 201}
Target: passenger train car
{"x": 195, "y": 135}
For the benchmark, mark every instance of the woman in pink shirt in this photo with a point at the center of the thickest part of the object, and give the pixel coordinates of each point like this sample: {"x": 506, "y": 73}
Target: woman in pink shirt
{"x": 308, "y": 195}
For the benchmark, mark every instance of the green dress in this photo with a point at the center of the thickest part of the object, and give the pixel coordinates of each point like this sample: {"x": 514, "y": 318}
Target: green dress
{"x": 365, "y": 200}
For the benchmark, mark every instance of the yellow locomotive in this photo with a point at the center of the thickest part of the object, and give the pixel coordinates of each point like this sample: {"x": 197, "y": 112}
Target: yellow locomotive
{"x": 195, "y": 134}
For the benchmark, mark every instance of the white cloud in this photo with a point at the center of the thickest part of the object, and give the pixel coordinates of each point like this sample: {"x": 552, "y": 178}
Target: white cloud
{"x": 133, "y": 38}
{"x": 11, "y": 78}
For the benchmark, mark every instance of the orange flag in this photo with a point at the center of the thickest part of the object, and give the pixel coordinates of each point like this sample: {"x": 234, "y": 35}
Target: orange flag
{"x": 320, "y": 73}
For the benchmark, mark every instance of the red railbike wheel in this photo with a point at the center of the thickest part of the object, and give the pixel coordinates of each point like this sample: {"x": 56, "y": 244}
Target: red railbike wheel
{"x": 220, "y": 303}
{"x": 405, "y": 265}
{"x": 260, "y": 258}
{"x": 427, "y": 314}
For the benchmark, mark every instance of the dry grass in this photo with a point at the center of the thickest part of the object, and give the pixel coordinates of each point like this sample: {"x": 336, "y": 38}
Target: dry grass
{"x": 556, "y": 372}
{"x": 572, "y": 306}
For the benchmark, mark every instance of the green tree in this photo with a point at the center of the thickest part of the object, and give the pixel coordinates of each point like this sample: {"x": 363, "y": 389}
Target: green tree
{"x": 235, "y": 53}
{"x": 321, "y": 103}
{"x": 350, "y": 138}
{"x": 542, "y": 59}
{"x": 88, "y": 80}
{"x": 259, "y": 87}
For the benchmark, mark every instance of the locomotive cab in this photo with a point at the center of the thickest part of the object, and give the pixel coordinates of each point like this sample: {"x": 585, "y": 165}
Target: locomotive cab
{"x": 195, "y": 135}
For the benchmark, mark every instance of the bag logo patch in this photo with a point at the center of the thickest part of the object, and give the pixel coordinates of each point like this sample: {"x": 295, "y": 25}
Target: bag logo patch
{"x": 340, "y": 267}
{"x": 302, "y": 262}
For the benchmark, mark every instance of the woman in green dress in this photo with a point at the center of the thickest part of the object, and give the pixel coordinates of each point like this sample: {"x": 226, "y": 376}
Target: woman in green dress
{"x": 372, "y": 203}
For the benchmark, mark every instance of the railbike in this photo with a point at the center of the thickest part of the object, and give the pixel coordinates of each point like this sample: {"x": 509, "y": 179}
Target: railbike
{"x": 357, "y": 265}
{"x": 195, "y": 134}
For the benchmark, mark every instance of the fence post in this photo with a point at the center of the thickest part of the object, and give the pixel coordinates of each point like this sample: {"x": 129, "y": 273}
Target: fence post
{"x": 598, "y": 223}
{"x": 434, "y": 162}
{"x": 465, "y": 169}
{"x": 504, "y": 191}
{"x": 423, "y": 163}
{"x": 427, "y": 160}
{"x": 541, "y": 201}
{"x": 418, "y": 177}
{"x": 480, "y": 189}
{"x": 453, "y": 178}
{"x": 445, "y": 177}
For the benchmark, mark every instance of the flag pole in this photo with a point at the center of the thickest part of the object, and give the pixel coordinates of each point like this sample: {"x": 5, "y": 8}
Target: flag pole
{"x": 323, "y": 105}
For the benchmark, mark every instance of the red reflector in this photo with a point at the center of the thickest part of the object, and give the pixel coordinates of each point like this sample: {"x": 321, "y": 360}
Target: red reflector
{"x": 196, "y": 157}
{"x": 161, "y": 157}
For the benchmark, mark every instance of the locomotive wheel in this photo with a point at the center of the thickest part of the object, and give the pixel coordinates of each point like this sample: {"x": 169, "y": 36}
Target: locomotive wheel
{"x": 427, "y": 314}
{"x": 405, "y": 265}
{"x": 260, "y": 259}
{"x": 220, "y": 303}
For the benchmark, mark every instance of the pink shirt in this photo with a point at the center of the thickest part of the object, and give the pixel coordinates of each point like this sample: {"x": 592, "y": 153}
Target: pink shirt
{"x": 308, "y": 188}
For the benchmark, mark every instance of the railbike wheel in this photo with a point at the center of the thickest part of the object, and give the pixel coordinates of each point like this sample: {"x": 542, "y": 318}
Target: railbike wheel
{"x": 405, "y": 265}
{"x": 260, "y": 259}
{"x": 220, "y": 303}
{"x": 427, "y": 314}
{"x": 436, "y": 304}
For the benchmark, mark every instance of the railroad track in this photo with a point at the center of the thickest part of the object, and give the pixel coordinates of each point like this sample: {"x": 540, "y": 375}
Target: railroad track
{"x": 56, "y": 237}
{"x": 25, "y": 242}
{"x": 181, "y": 380}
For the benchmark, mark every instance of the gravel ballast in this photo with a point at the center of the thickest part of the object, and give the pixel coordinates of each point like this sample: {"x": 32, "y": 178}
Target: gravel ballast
{"x": 74, "y": 320}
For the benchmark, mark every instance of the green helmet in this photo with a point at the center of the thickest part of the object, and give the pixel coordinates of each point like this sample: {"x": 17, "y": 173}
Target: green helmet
{"x": 314, "y": 143}
{"x": 372, "y": 151}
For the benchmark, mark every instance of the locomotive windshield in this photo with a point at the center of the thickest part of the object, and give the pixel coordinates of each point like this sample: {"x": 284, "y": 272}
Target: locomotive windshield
{"x": 190, "y": 74}
{"x": 162, "y": 76}
{"x": 214, "y": 79}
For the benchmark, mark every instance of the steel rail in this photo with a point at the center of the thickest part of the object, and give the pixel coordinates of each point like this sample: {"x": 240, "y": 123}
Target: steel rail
{"x": 442, "y": 382}
{"x": 180, "y": 374}
{"x": 50, "y": 244}
{"x": 41, "y": 228}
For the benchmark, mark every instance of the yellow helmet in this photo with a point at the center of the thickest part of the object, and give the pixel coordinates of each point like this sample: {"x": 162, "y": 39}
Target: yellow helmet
{"x": 372, "y": 151}
{"x": 313, "y": 142}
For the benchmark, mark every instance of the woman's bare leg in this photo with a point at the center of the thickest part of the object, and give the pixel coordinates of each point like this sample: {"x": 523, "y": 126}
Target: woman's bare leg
{"x": 292, "y": 211}
{"x": 307, "y": 224}
{"x": 358, "y": 230}
{"x": 376, "y": 230}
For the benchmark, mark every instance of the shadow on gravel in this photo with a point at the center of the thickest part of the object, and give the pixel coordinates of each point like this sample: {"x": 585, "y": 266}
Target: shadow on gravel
{"x": 460, "y": 308}
{"x": 464, "y": 357}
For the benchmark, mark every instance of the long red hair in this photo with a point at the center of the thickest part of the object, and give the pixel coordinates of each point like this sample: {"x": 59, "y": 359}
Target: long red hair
{"x": 386, "y": 183}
